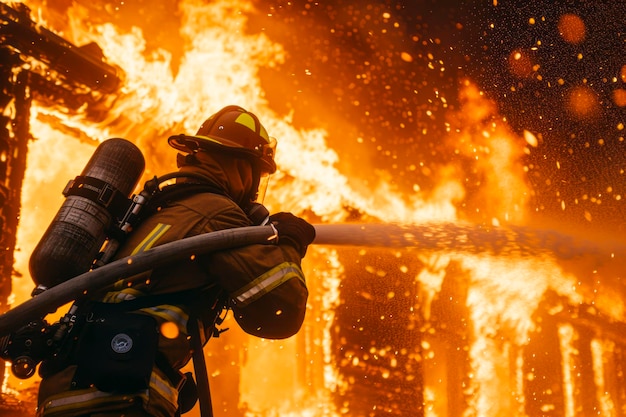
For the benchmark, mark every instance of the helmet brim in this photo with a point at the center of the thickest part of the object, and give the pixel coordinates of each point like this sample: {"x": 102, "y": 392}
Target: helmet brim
{"x": 191, "y": 144}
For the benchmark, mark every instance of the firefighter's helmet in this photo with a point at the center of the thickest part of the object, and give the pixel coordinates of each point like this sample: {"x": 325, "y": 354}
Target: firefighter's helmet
{"x": 235, "y": 130}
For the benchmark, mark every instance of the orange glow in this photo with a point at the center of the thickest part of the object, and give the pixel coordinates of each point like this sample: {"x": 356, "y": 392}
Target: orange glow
{"x": 619, "y": 97}
{"x": 572, "y": 28}
{"x": 473, "y": 304}
{"x": 406, "y": 57}
{"x": 582, "y": 102}
{"x": 531, "y": 139}
{"x": 169, "y": 330}
{"x": 520, "y": 64}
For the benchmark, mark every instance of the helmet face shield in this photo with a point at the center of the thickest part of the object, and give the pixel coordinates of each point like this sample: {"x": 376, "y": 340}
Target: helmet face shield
{"x": 265, "y": 175}
{"x": 262, "y": 190}
{"x": 268, "y": 152}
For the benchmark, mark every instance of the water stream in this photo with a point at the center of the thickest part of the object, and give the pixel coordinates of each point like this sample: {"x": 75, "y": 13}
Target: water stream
{"x": 470, "y": 239}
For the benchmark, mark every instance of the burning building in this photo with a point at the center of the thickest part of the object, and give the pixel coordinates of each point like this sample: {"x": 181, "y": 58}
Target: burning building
{"x": 472, "y": 123}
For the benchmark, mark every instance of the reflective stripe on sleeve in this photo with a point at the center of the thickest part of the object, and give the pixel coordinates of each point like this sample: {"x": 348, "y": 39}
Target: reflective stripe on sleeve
{"x": 267, "y": 282}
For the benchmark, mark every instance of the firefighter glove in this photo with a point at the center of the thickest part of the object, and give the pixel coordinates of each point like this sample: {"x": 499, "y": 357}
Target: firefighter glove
{"x": 293, "y": 231}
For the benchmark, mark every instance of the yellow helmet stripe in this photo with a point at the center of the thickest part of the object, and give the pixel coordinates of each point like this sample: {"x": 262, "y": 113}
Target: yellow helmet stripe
{"x": 248, "y": 121}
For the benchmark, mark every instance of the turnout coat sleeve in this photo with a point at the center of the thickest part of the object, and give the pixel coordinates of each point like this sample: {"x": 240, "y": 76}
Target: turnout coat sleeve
{"x": 265, "y": 283}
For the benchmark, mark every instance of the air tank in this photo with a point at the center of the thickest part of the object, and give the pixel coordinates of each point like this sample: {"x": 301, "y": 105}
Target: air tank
{"x": 94, "y": 201}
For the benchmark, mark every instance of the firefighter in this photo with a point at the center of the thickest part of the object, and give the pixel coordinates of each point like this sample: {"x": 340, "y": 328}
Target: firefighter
{"x": 223, "y": 171}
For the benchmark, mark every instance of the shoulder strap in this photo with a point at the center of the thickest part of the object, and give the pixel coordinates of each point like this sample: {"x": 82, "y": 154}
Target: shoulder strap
{"x": 174, "y": 192}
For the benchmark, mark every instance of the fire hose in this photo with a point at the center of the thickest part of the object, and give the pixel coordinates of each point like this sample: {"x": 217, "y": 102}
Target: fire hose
{"x": 30, "y": 313}
{"x": 49, "y": 300}
{"x": 447, "y": 237}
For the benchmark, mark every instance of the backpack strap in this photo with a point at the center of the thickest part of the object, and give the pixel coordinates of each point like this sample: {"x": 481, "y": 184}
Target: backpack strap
{"x": 174, "y": 192}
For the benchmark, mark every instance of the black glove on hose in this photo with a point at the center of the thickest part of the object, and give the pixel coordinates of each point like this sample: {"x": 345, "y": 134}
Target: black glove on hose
{"x": 293, "y": 231}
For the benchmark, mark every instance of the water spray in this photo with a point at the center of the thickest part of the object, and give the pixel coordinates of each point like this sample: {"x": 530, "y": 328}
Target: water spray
{"x": 465, "y": 238}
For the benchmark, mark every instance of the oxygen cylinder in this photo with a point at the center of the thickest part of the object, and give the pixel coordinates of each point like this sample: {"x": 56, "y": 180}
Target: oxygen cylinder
{"x": 94, "y": 200}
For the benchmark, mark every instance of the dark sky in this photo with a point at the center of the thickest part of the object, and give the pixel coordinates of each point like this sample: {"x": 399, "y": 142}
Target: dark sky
{"x": 589, "y": 147}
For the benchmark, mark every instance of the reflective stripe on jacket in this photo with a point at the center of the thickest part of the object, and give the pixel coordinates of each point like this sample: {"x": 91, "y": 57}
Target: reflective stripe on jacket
{"x": 161, "y": 399}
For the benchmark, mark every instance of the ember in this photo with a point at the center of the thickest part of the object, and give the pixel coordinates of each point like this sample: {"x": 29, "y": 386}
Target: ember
{"x": 464, "y": 163}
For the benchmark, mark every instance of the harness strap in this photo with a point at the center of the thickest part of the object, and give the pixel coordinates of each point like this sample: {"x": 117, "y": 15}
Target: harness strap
{"x": 199, "y": 366}
{"x": 178, "y": 191}
{"x": 99, "y": 192}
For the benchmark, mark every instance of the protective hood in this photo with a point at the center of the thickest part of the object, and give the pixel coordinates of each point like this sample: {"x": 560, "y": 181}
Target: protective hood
{"x": 232, "y": 175}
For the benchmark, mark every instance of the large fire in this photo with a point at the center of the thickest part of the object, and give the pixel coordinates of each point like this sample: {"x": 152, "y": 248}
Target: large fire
{"x": 390, "y": 331}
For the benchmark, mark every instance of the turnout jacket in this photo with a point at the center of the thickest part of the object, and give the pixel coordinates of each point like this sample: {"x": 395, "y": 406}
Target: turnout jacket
{"x": 263, "y": 285}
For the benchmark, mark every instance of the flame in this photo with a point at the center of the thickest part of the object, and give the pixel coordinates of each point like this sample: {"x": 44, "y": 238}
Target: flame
{"x": 221, "y": 65}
